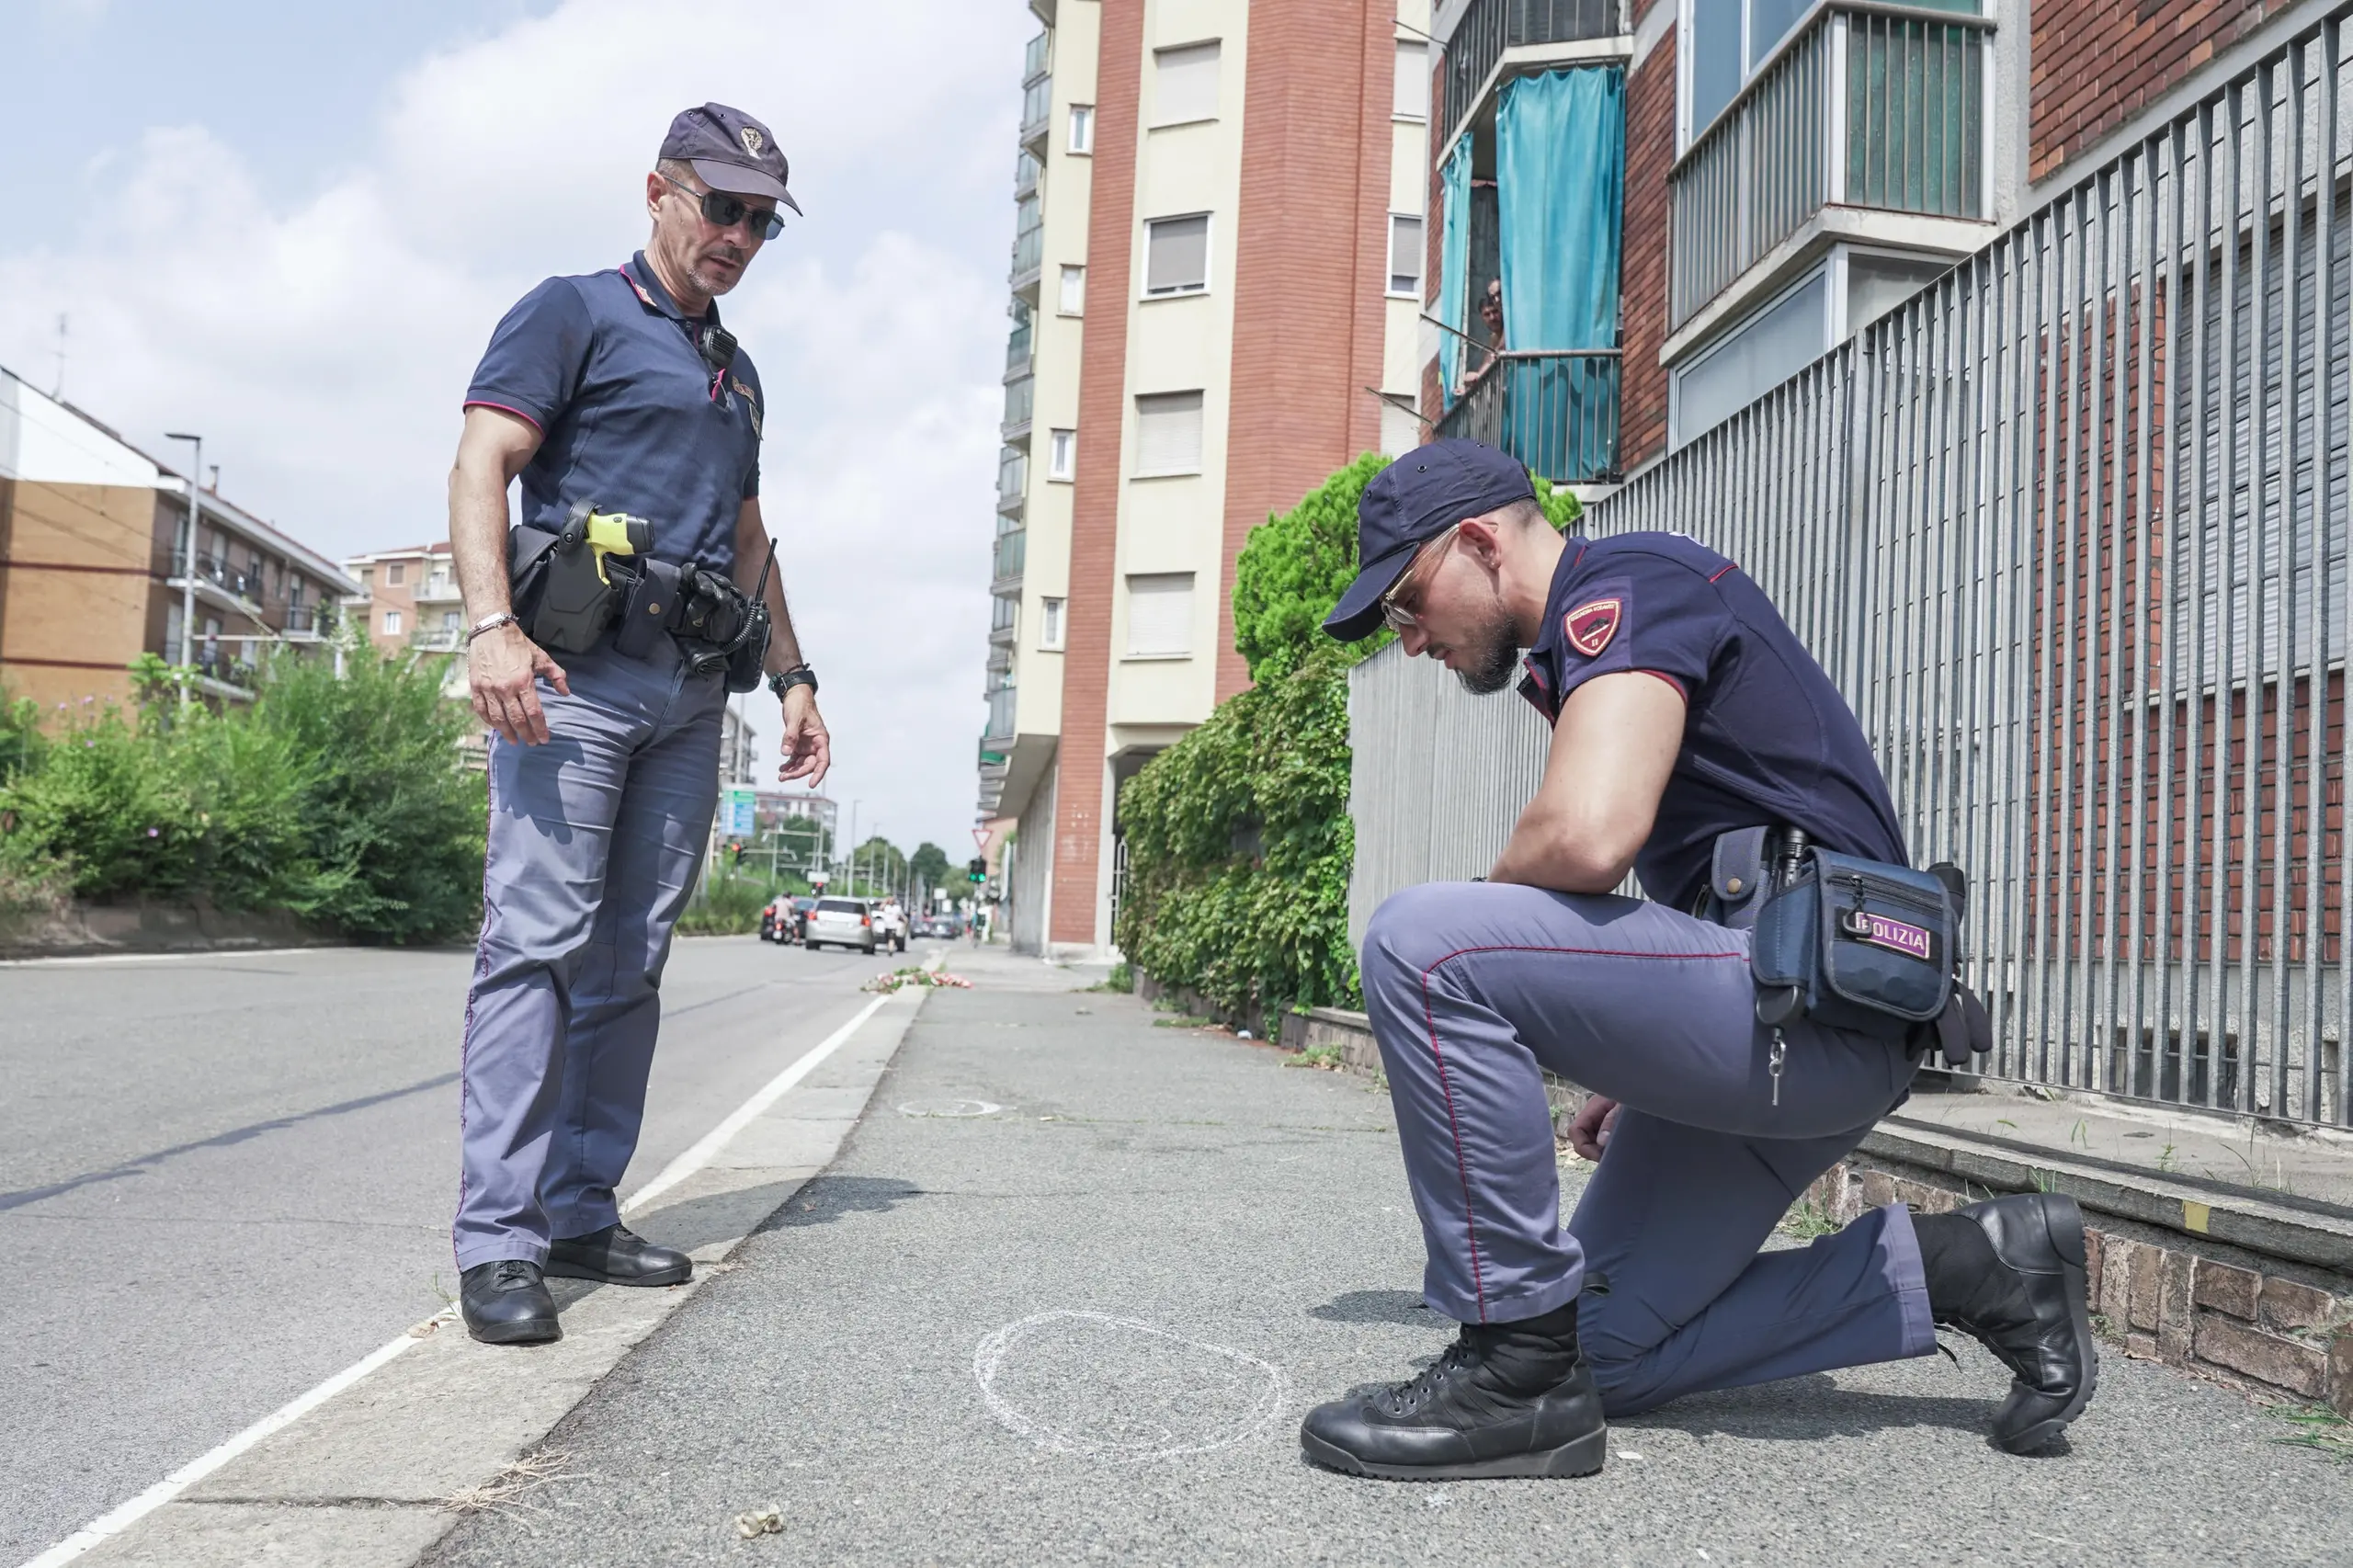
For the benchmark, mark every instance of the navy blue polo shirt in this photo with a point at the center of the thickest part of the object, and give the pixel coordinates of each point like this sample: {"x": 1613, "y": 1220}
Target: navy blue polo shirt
{"x": 630, "y": 415}
{"x": 1766, "y": 739}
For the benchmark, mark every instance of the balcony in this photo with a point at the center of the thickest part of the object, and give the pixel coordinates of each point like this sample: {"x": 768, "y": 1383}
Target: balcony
{"x": 1012, "y": 480}
{"x": 1029, "y": 255}
{"x": 1012, "y": 552}
{"x": 1475, "y": 52}
{"x": 1034, "y": 57}
{"x": 1555, "y": 411}
{"x": 1020, "y": 400}
{"x": 222, "y": 668}
{"x": 439, "y": 640}
{"x": 1037, "y": 107}
{"x": 1019, "y": 346}
{"x": 1004, "y": 617}
{"x": 1860, "y": 108}
{"x": 1026, "y": 169}
{"x": 1002, "y": 704}
{"x": 217, "y": 582}
{"x": 307, "y": 621}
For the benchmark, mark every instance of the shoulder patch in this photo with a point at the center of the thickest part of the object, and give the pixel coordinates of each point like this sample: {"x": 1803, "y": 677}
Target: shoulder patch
{"x": 1591, "y": 625}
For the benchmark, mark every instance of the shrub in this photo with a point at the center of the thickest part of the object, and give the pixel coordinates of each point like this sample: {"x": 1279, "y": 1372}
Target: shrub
{"x": 1238, "y": 837}
{"x": 392, "y": 824}
{"x": 341, "y": 800}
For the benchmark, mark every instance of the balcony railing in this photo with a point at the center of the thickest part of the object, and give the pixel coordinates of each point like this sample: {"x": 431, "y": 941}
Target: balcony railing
{"x": 229, "y": 669}
{"x": 1907, "y": 94}
{"x": 304, "y": 621}
{"x": 1012, "y": 479}
{"x": 1020, "y": 398}
{"x": 1033, "y": 57}
{"x": 1555, "y": 411}
{"x": 439, "y": 640}
{"x": 1026, "y": 169}
{"x": 1012, "y": 551}
{"x": 1028, "y": 252}
{"x": 1490, "y": 26}
{"x": 245, "y": 585}
{"x": 1037, "y": 102}
{"x": 1002, "y": 704}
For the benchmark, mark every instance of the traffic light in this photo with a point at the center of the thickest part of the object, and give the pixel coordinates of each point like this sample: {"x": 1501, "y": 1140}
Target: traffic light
{"x": 739, "y": 850}
{"x": 978, "y": 870}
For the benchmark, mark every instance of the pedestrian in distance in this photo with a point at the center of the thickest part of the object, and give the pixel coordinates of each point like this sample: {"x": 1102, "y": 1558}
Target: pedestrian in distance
{"x": 1695, "y": 743}
{"x": 633, "y": 422}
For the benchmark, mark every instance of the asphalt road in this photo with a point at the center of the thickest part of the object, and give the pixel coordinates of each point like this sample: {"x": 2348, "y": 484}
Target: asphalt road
{"x": 1067, "y": 1292}
{"x": 224, "y": 1178}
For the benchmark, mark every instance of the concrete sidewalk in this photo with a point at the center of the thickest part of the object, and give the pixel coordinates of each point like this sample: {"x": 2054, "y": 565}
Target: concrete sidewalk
{"x": 1072, "y": 1282}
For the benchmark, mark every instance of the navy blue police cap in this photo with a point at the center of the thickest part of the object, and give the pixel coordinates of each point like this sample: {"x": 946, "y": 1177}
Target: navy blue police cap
{"x": 1408, "y": 504}
{"x": 730, "y": 150}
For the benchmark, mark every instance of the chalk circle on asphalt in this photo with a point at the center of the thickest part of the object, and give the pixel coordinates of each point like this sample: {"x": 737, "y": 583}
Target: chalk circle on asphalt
{"x": 949, "y": 1107}
{"x": 1096, "y": 1386}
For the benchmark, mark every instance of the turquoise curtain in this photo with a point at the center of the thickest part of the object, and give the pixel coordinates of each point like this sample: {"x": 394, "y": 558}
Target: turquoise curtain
{"x": 1454, "y": 264}
{"x": 1560, "y": 164}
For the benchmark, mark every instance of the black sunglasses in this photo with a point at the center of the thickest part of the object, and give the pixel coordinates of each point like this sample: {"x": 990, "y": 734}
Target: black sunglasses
{"x": 722, "y": 211}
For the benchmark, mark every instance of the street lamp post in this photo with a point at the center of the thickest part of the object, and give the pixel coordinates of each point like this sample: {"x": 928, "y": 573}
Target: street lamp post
{"x": 187, "y": 558}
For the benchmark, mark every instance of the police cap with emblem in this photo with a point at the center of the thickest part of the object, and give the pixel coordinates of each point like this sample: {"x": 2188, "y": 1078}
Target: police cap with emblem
{"x": 1408, "y": 504}
{"x": 730, "y": 150}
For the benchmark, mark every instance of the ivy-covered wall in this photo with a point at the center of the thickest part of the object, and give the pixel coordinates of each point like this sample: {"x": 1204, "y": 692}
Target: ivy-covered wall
{"x": 1239, "y": 842}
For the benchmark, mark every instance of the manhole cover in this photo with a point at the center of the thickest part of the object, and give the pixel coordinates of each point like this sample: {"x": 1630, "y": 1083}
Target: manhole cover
{"x": 948, "y": 1108}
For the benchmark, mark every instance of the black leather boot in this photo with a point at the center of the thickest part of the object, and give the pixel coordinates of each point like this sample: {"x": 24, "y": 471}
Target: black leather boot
{"x": 1506, "y": 1399}
{"x": 618, "y": 1256}
{"x": 2010, "y": 1274}
{"x": 506, "y": 1302}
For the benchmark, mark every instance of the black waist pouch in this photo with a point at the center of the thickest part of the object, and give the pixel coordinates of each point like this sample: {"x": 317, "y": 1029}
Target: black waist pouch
{"x": 559, "y": 599}
{"x": 1863, "y": 945}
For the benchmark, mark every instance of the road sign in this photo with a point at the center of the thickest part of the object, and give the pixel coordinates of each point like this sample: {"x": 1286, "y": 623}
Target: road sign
{"x": 737, "y": 811}
{"x": 981, "y": 838}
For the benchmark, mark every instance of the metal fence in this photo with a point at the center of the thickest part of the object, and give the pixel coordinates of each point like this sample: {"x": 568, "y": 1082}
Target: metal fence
{"x": 2069, "y": 531}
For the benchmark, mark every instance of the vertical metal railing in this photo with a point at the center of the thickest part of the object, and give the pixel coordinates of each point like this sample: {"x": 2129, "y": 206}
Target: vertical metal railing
{"x": 1555, "y": 410}
{"x": 2069, "y": 529}
{"x": 1491, "y": 26}
{"x": 1864, "y": 105}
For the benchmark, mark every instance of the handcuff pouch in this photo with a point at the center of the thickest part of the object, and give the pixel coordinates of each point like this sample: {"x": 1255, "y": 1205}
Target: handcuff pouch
{"x": 1857, "y": 944}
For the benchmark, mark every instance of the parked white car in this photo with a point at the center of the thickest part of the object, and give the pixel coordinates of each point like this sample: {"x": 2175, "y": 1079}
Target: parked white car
{"x": 843, "y": 923}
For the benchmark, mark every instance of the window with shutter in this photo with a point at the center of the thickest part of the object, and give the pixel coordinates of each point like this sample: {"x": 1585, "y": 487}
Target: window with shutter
{"x": 1413, "y": 89}
{"x": 1169, "y": 433}
{"x": 1160, "y": 615}
{"x": 1050, "y": 632}
{"x": 1184, "y": 84}
{"x": 1072, "y": 300}
{"x": 1061, "y": 455}
{"x": 1176, "y": 255}
{"x": 1405, "y": 253}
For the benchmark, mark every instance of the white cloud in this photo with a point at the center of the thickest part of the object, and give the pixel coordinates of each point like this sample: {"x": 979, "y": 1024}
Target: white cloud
{"x": 322, "y": 341}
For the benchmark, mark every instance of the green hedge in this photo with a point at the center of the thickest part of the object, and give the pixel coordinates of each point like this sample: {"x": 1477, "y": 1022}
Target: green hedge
{"x": 1239, "y": 841}
{"x": 340, "y": 800}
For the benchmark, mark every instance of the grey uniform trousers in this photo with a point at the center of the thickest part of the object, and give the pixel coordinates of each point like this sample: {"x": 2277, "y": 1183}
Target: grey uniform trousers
{"x": 1475, "y": 987}
{"x": 594, "y": 845}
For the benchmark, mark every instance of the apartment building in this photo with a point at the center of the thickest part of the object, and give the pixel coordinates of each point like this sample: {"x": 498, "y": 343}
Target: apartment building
{"x": 1682, "y": 203}
{"x": 408, "y": 599}
{"x": 1216, "y": 283}
{"x": 95, "y": 565}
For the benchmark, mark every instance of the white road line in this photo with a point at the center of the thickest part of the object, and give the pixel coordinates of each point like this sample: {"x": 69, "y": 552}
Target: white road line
{"x": 78, "y": 959}
{"x": 694, "y": 1159}
{"x": 115, "y": 1522}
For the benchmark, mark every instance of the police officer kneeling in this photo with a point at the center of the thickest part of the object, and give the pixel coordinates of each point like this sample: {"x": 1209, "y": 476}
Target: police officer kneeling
{"x": 1693, "y": 740}
{"x": 641, "y": 557}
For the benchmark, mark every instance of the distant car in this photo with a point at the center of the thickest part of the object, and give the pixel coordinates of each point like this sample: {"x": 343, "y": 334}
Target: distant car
{"x": 841, "y": 923}
{"x": 800, "y": 908}
{"x": 935, "y": 925}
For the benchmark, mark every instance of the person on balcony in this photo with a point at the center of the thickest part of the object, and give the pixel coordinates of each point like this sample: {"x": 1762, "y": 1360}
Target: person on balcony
{"x": 1686, "y": 718}
{"x": 1491, "y": 313}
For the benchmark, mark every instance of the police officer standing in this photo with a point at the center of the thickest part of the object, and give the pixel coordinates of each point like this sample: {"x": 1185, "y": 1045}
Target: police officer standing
{"x": 1687, "y": 725}
{"x": 617, "y": 392}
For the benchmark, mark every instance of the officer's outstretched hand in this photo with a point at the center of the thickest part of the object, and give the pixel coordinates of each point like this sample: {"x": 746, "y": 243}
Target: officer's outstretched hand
{"x": 504, "y": 667}
{"x": 808, "y": 749}
{"x": 1589, "y": 1133}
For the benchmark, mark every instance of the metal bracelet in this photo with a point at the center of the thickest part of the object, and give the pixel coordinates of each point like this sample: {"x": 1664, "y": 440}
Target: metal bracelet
{"x": 489, "y": 623}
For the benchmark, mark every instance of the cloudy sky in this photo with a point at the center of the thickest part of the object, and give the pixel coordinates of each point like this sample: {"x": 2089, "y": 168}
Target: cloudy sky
{"x": 292, "y": 226}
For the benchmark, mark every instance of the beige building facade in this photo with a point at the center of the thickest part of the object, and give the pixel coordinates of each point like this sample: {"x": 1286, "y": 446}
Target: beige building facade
{"x": 1216, "y": 282}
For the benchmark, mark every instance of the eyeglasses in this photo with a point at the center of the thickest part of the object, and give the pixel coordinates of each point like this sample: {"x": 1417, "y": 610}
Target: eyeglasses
{"x": 1399, "y": 618}
{"x": 721, "y": 210}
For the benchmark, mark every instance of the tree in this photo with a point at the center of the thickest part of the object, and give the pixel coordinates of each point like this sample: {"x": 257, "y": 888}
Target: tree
{"x": 929, "y": 864}
{"x": 877, "y": 868}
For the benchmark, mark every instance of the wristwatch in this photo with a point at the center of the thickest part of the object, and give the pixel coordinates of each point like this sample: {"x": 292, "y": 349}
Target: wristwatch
{"x": 782, "y": 681}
